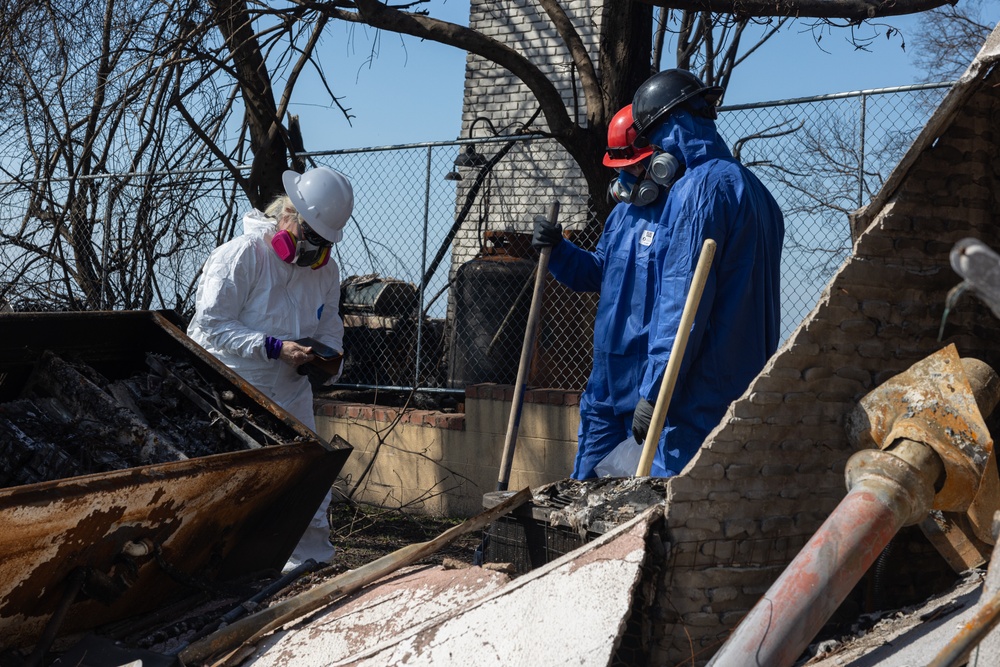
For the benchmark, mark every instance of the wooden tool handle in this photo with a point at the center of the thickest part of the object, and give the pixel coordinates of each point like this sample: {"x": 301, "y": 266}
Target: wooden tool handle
{"x": 676, "y": 355}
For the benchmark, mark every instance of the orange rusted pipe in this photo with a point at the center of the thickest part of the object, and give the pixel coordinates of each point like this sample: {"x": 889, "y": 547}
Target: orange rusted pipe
{"x": 974, "y": 631}
{"x": 892, "y": 486}
{"x": 887, "y": 492}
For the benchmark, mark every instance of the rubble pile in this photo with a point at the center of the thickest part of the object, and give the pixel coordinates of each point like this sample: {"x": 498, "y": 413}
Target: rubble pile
{"x": 599, "y": 504}
{"x": 69, "y": 419}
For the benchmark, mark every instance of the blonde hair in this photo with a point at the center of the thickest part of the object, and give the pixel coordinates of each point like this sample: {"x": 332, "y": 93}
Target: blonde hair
{"x": 281, "y": 207}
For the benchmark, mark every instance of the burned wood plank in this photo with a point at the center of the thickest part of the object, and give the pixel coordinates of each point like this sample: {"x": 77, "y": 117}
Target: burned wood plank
{"x": 193, "y": 396}
{"x": 71, "y": 420}
{"x": 24, "y": 460}
{"x": 125, "y": 430}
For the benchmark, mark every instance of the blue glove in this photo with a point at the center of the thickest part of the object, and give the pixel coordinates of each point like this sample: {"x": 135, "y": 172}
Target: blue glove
{"x": 546, "y": 234}
{"x": 640, "y": 420}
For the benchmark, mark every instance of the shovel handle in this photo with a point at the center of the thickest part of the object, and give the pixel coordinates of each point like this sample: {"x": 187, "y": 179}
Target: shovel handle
{"x": 676, "y": 355}
{"x": 527, "y": 348}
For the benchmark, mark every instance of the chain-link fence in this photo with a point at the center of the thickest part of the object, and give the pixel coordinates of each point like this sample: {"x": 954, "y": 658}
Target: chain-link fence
{"x": 823, "y": 157}
{"x": 436, "y": 261}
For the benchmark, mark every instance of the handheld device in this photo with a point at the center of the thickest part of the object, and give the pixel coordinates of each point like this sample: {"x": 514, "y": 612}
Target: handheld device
{"x": 322, "y": 351}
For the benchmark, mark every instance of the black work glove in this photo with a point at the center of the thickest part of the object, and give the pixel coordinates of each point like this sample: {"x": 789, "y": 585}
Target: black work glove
{"x": 640, "y": 420}
{"x": 546, "y": 234}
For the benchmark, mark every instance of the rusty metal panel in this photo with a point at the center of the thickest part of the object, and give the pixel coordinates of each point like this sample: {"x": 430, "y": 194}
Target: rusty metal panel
{"x": 141, "y": 536}
{"x": 206, "y": 518}
{"x": 933, "y": 403}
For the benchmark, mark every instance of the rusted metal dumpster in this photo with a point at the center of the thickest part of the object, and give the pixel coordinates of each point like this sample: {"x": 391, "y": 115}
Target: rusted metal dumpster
{"x": 136, "y": 468}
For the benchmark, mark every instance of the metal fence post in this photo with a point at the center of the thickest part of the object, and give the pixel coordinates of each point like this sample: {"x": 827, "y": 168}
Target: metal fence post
{"x": 861, "y": 154}
{"x": 423, "y": 269}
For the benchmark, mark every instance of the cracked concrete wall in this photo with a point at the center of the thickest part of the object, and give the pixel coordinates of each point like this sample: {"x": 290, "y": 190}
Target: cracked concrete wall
{"x": 773, "y": 470}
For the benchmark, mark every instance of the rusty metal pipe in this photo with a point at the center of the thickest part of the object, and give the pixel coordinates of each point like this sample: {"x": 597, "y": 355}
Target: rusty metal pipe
{"x": 973, "y": 631}
{"x": 887, "y": 493}
{"x": 892, "y": 486}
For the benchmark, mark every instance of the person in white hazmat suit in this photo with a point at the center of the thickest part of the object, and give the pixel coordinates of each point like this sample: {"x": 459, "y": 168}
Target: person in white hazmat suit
{"x": 275, "y": 284}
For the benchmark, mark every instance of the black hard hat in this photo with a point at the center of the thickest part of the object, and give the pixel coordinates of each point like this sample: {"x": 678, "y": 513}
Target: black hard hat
{"x": 663, "y": 92}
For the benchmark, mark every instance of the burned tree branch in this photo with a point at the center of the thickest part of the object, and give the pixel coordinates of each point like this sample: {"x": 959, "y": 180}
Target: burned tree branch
{"x": 854, "y": 10}
{"x": 378, "y": 15}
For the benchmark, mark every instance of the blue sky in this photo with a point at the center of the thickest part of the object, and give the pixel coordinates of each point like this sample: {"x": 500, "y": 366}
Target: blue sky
{"x": 411, "y": 90}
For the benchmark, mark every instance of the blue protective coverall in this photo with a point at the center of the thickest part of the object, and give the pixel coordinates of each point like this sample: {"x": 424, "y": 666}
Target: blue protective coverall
{"x": 621, "y": 270}
{"x": 737, "y": 326}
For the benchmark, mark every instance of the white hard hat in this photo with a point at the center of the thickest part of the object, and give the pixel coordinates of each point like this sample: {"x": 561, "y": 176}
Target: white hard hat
{"x": 323, "y": 197}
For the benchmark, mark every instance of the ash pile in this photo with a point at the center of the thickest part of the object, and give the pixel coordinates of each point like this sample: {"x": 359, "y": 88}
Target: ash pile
{"x": 565, "y": 515}
{"x": 597, "y": 505}
{"x": 69, "y": 420}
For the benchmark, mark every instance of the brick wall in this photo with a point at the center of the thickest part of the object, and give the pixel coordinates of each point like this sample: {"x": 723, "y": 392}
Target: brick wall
{"x": 532, "y": 174}
{"x": 773, "y": 470}
{"x": 545, "y": 170}
{"x": 442, "y": 464}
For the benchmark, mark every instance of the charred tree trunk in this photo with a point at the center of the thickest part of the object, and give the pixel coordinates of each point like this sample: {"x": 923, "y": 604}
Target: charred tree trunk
{"x": 266, "y": 140}
{"x": 624, "y": 62}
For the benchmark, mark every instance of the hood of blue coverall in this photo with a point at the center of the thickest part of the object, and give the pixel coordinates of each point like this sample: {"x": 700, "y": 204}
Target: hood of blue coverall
{"x": 738, "y": 323}
{"x": 691, "y": 139}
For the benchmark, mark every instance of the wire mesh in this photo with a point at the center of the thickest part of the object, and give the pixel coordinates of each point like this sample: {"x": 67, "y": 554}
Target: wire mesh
{"x": 436, "y": 259}
{"x": 822, "y": 158}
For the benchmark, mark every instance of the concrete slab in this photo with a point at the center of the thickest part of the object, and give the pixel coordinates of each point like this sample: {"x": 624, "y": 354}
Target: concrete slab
{"x": 914, "y": 637}
{"x": 571, "y": 611}
{"x": 377, "y": 614}
{"x": 918, "y": 635}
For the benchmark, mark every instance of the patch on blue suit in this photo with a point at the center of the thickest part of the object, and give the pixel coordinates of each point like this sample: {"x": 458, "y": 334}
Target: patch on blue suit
{"x": 319, "y": 313}
{"x": 647, "y": 237}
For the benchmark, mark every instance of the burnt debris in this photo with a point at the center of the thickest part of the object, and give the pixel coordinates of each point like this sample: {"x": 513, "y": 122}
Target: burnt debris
{"x": 69, "y": 419}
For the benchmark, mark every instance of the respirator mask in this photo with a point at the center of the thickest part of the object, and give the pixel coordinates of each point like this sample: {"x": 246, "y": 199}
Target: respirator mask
{"x": 311, "y": 250}
{"x": 627, "y": 188}
{"x": 663, "y": 167}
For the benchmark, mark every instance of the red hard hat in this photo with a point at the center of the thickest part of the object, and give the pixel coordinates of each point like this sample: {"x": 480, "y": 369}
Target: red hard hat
{"x": 621, "y": 134}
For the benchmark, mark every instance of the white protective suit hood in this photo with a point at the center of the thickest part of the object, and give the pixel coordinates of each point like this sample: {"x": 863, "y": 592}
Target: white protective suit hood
{"x": 257, "y": 223}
